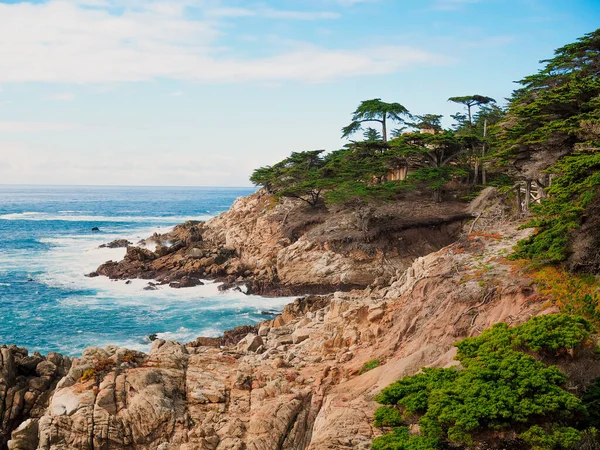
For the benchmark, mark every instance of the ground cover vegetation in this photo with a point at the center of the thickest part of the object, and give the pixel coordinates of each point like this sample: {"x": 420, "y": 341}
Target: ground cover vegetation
{"x": 504, "y": 394}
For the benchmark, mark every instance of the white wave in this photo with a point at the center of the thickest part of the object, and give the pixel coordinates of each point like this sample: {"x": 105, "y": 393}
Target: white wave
{"x": 40, "y": 216}
{"x": 5, "y": 284}
{"x": 70, "y": 257}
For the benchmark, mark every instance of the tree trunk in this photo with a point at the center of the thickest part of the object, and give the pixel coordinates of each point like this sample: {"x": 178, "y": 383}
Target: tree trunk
{"x": 384, "y": 129}
{"x": 527, "y": 194}
{"x": 519, "y": 200}
{"x": 483, "y": 174}
{"x": 470, "y": 120}
{"x": 437, "y": 195}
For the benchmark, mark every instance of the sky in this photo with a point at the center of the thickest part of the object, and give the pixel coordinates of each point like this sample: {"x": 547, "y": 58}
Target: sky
{"x": 201, "y": 92}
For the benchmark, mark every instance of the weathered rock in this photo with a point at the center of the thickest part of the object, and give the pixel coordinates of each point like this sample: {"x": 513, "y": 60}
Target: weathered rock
{"x": 300, "y": 335}
{"x": 232, "y": 337}
{"x": 375, "y": 314}
{"x": 302, "y": 392}
{"x": 206, "y": 342}
{"x": 118, "y": 243}
{"x": 251, "y": 343}
{"x": 26, "y": 384}
{"x": 288, "y": 248}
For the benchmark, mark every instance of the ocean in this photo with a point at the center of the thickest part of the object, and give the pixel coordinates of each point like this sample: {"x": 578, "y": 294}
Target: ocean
{"x": 47, "y": 246}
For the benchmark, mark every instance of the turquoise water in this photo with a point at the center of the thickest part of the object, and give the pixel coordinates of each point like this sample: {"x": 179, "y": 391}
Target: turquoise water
{"x": 46, "y": 247}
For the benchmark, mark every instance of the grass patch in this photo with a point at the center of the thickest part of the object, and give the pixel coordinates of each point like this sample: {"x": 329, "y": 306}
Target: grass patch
{"x": 369, "y": 365}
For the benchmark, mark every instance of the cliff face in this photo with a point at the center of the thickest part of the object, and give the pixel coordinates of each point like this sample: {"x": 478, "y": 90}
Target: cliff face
{"x": 294, "y": 382}
{"x": 292, "y": 248}
{"x": 26, "y": 384}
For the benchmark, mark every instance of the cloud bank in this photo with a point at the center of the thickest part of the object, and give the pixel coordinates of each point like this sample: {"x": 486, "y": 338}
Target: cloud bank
{"x": 107, "y": 41}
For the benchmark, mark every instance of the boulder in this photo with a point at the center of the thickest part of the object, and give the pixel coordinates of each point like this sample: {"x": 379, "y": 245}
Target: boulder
{"x": 118, "y": 243}
{"x": 251, "y": 343}
{"x": 375, "y": 314}
{"x": 300, "y": 335}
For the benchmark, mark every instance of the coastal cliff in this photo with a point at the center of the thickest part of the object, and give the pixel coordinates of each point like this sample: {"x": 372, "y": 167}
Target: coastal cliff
{"x": 295, "y": 382}
{"x": 289, "y": 248}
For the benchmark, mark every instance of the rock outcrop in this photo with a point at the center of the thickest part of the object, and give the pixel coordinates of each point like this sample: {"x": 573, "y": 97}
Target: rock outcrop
{"x": 26, "y": 384}
{"x": 293, "y": 382}
{"x": 289, "y": 248}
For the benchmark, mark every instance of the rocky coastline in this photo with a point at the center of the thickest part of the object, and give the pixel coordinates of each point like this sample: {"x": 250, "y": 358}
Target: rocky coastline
{"x": 296, "y": 381}
{"x": 288, "y": 248}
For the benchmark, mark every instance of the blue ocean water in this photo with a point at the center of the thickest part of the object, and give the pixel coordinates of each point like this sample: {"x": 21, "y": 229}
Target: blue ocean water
{"x": 46, "y": 247}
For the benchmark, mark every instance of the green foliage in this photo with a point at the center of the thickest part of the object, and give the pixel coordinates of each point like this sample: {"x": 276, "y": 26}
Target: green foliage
{"x": 499, "y": 386}
{"x": 386, "y": 416}
{"x": 557, "y": 112}
{"x": 369, "y": 365}
{"x": 428, "y": 122}
{"x": 435, "y": 157}
{"x": 401, "y": 439}
{"x": 412, "y": 393}
{"x": 375, "y": 111}
{"x": 372, "y": 135}
{"x": 571, "y": 193}
{"x": 298, "y": 176}
{"x": 555, "y": 438}
{"x": 591, "y": 400}
{"x": 552, "y": 333}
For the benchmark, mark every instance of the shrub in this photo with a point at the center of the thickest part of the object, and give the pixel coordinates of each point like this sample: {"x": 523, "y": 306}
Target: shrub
{"x": 369, "y": 365}
{"x": 572, "y": 293}
{"x": 499, "y": 386}
{"x": 401, "y": 439}
{"x": 387, "y": 416}
{"x": 88, "y": 375}
{"x": 556, "y": 438}
{"x": 101, "y": 367}
{"x": 591, "y": 399}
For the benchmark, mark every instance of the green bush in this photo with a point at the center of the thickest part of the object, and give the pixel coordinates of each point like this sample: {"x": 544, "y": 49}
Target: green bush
{"x": 591, "y": 400}
{"x": 556, "y": 438}
{"x": 387, "y": 416}
{"x": 401, "y": 439}
{"x": 550, "y": 333}
{"x": 499, "y": 386}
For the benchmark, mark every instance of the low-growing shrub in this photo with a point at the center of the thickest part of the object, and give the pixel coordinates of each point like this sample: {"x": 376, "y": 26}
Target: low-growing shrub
{"x": 401, "y": 439}
{"x": 386, "y": 417}
{"x": 501, "y": 385}
{"x": 369, "y": 365}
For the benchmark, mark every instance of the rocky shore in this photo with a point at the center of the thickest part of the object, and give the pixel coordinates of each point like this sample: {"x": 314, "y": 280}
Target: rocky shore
{"x": 297, "y": 381}
{"x": 292, "y": 249}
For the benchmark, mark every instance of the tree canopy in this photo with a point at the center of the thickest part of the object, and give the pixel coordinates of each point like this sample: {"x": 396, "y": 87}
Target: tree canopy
{"x": 552, "y": 133}
{"x": 375, "y": 111}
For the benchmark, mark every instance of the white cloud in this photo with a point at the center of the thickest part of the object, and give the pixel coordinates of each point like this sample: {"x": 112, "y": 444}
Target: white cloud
{"x": 271, "y": 13}
{"x": 60, "y": 41}
{"x": 61, "y": 97}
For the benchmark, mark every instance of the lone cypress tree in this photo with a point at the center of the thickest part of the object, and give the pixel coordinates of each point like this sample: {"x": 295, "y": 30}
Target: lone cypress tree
{"x": 376, "y": 111}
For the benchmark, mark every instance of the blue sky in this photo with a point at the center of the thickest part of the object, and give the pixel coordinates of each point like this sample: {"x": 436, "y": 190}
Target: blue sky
{"x": 201, "y": 92}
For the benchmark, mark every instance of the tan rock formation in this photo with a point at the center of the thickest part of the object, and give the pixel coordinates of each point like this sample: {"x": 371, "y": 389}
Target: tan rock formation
{"x": 291, "y": 383}
{"x": 289, "y": 248}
